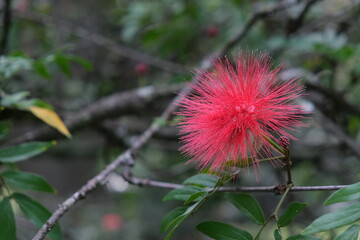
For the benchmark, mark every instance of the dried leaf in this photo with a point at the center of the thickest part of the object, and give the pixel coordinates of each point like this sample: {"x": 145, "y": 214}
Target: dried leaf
{"x": 51, "y": 118}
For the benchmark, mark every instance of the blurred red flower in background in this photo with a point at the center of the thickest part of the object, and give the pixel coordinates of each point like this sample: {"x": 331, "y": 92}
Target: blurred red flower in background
{"x": 141, "y": 69}
{"x": 212, "y": 31}
{"x": 111, "y": 222}
{"x": 234, "y": 110}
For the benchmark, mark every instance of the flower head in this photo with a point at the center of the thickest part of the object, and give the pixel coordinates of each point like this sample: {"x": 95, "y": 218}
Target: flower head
{"x": 234, "y": 111}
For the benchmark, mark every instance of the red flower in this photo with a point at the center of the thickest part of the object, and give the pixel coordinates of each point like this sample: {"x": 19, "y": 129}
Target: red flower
{"x": 234, "y": 109}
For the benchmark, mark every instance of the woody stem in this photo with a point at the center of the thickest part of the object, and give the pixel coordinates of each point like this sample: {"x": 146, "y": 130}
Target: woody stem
{"x": 275, "y": 212}
{"x": 288, "y": 165}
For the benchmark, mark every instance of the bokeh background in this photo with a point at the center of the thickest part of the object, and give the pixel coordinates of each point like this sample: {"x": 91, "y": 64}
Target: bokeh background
{"x": 93, "y": 50}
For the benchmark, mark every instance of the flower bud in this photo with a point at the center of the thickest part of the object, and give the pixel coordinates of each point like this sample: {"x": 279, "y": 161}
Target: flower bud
{"x": 141, "y": 69}
{"x": 212, "y": 31}
{"x": 284, "y": 141}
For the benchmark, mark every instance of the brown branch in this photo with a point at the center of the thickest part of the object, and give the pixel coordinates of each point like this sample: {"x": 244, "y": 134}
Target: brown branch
{"x": 110, "y": 106}
{"x": 273, "y": 188}
{"x": 126, "y": 157}
{"x": 294, "y": 24}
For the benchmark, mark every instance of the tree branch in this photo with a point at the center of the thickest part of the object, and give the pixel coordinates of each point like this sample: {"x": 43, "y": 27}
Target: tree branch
{"x": 294, "y": 24}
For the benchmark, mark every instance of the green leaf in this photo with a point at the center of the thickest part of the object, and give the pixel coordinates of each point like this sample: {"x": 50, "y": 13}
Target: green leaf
{"x": 248, "y": 205}
{"x": 169, "y": 235}
{"x": 348, "y": 193}
{"x": 23, "y": 151}
{"x": 302, "y": 237}
{"x": 7, "y": 220}
{"x": 19, "y": 101}
{"x": 290, "y": 213}
{"x": 11, "y": 65}
{"x": 36, "y": 213}
{"x": 27, "y": 104}
{"x": 4, "y": 129}
{"x": 182, "y": 194}
{"x": 83, "y": 62}
{"x": 195, "y": 197}
{"x": 341, "y": 217}
{"x": 63, "y": 63}
{"x": 25, "y": 180}
{"x": 40, "y": 68}
{"x": 203, "y": 180}
{"x": 37, "y": 103}
{"x": 13, "y": 99}
{"x": 277, "y": 234}
{"x": 172, "y": 218}
{"x": 351, "y": 233}
{"x": 222, "y": 231}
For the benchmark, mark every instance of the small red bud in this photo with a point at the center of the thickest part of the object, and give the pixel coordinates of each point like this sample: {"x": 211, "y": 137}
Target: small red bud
{"x": 141, "y": 68}
{"x": 284, "y": 141}
{"x": 212, "y": 31}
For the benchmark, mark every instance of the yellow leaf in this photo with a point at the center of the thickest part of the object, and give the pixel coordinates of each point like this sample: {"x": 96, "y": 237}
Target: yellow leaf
{"x": 51, "y": 118}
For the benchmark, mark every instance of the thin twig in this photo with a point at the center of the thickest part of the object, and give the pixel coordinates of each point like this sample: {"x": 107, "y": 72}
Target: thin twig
{"x": 294, "y": 24}
{"x": 273, "y": 188}
{"x": 288, "y": 165}
{"x": 142, "y": 182}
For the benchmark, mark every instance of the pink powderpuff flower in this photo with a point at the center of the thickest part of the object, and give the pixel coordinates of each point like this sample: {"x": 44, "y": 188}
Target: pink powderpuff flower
{"x": 234, "y": 110}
